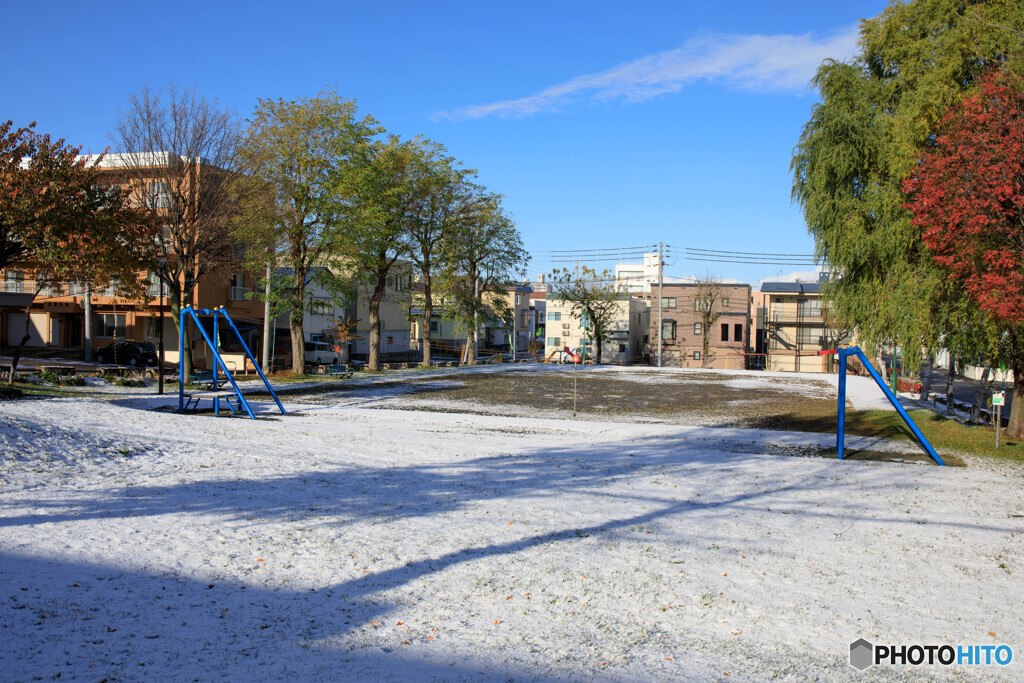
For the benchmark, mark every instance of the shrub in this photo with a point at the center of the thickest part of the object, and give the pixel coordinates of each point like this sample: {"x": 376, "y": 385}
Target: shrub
{"x": 72, "y": 381}
{"x": 907, "y": 386}
{"x": 125, "y": 382}
{"x": 49, "y": 376}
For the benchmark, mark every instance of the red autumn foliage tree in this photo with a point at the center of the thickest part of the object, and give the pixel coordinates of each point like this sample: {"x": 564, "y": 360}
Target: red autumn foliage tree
{"x": 967, "y": 196}
{"x": 61, "y": 221}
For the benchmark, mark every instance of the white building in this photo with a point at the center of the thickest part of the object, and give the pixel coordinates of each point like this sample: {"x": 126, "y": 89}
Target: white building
{"x": 628, "y": 343}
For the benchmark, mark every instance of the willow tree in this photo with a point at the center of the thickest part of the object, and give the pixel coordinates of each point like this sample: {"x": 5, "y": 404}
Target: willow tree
{"x": 875, "y": 119}
{"x": 294, "y": 195}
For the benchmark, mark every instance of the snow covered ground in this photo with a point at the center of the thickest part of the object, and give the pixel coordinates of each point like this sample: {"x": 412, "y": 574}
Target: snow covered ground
{"x": 349, "y": 541}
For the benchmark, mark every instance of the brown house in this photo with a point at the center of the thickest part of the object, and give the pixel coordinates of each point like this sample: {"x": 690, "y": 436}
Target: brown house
{"x": 682, "y": 328}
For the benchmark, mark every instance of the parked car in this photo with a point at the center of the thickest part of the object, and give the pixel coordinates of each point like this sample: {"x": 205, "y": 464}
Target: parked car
{"x": 127, "y": 352}
{"x": 321, "y": 353}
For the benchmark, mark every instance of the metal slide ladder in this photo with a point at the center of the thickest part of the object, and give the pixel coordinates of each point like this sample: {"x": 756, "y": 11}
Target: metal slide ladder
{"x": 218, "y": 361}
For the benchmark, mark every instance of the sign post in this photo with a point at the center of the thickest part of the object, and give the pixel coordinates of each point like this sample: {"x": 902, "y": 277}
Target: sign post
{"x": 998, "y": 399}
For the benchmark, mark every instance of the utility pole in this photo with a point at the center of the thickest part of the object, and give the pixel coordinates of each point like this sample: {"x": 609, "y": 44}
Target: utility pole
{"x": 87, "y": 305}
{"x": 476, "y": 318}
{"x": 661, "y": 283}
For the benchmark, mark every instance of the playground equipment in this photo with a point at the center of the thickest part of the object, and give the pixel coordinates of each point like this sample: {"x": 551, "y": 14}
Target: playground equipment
{"x": 845, "y": 353}
{"x": 215, "y": 393}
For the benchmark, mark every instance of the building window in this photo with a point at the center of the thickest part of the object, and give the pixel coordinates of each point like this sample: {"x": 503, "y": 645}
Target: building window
{"x": 668, "y": 329}
{"x": 737, "y": 332}
{"x": 725, "y": 331}
{"x": 669, "y": 302}
{"x": 554, "y": 341}
{"x": 238, "y": 289}
{"x": 808, "y": 307}
{"x": 553, "y": 315}
{"x": 807, "y": 337}
{"x": 433, "y": 326}
{"x": 698, "y": 328}
{"x": 696, "y": 355}
{"x": 622, "y": 348}
{"x": 109, "y": 325}
{"x": 159, "y": 196}
{"x": 701, "y": 305}
{"x": 725, "y": 303}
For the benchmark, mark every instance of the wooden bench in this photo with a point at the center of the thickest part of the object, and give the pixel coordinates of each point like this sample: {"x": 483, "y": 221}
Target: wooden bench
{"x": 339, "y": 371}
{"x": 192, "y": 399}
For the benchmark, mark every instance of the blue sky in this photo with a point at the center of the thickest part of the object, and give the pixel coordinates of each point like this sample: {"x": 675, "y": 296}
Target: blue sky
{"x": 605, "y": 125}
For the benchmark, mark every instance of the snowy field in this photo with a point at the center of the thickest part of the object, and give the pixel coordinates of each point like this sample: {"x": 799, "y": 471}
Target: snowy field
{"x": 353, "y": 541}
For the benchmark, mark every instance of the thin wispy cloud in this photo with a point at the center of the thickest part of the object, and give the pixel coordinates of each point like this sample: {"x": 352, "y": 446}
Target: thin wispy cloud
{"x": 774, "y": 63}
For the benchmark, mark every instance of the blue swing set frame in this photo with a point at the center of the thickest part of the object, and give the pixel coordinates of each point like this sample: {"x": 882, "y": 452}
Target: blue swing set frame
{"x": 215, "y": 394}
{"x": 844, "y": 354}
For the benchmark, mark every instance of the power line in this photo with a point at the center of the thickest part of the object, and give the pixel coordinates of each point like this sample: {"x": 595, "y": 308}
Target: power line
{"x": 744, "y": 253}
{"x": 613, "y": 249}
{"x": 755, "y": 263}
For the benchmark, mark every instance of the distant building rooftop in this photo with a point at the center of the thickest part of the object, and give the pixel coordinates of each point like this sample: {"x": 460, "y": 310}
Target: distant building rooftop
{"x": 791, "y": 287}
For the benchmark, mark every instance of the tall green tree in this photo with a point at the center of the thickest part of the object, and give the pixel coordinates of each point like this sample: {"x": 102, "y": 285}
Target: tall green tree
{"x": 484, "y": 256}
{"x": 385, "y": 195}
{"x": 593, "y": 297}
{"x": 295, "y": 194}
{"x": 443, "y": 196}
{"x": 876, "y": 116}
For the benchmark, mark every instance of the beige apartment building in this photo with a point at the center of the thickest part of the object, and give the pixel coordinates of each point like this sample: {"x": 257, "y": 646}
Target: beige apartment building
{"x": 682, "y": 328}
{"x": 628, "y": 338}
{"x": 797, "y": 328}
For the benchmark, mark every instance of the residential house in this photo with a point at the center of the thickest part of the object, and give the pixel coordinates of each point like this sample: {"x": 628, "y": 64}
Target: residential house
{"x": 682, "y": 327}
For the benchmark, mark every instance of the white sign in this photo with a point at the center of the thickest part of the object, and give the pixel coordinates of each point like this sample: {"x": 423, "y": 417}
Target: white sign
{"x": 997, "y": 398}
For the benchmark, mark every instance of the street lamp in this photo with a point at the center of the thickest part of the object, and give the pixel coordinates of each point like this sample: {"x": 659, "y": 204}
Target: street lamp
{"x": 162, "y": 263}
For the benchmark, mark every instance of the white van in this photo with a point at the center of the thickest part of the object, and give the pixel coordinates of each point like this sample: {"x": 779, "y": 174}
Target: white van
{"x": 321, "y": 353}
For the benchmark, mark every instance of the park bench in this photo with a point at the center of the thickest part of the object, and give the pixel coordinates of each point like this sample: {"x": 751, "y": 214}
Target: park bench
{"x": 203, "y": 377}
{"x": 339, "y": 371}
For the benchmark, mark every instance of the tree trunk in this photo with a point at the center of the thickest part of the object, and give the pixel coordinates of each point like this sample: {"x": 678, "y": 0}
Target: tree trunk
{"x": 980, "y": 395}
{"x": 428, "y": 310}
{"x": 926, "y": 378}
{"x": 373, "y": 362}
{"x": 1015, "y": 429}
{"x": 471, "y": 346}
{"x": 16, "y": 356}
{"x": 880, "y": 366}
{"x": 298, "y": 345}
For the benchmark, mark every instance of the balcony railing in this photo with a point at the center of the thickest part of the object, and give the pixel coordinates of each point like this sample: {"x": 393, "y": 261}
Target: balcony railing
{"x": 239, "y": 293}
{"x": 14, "y": 286}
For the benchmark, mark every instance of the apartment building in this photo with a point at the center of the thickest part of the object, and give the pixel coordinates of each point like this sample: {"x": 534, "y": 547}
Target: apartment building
{"x": 628, "y": 330}
{"x": 57, "y": 315}
{"x": 682, "y": 330}
{"x": 796, "y": 327}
